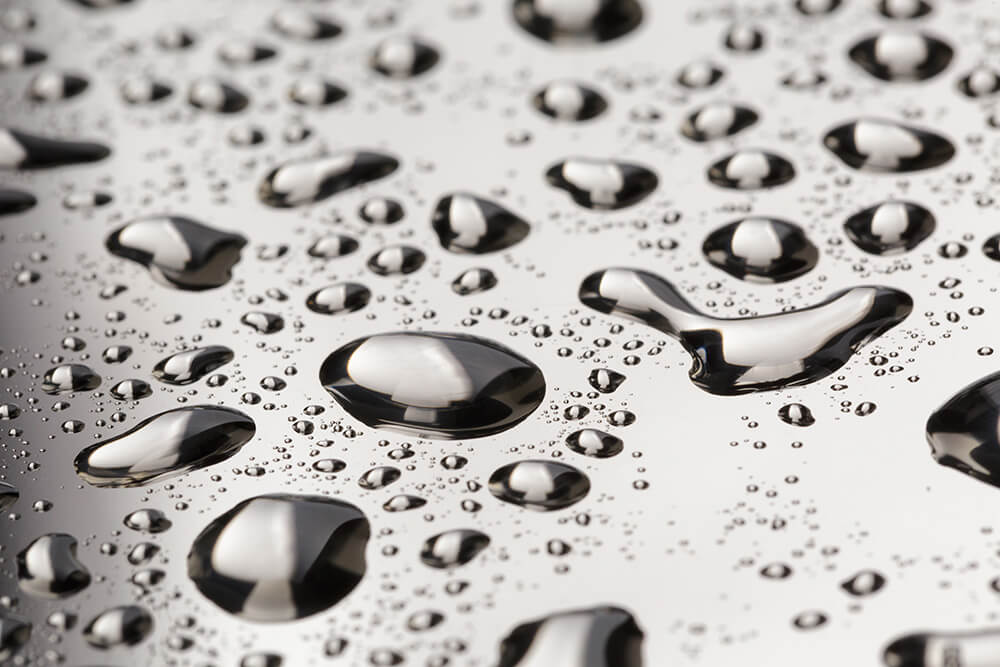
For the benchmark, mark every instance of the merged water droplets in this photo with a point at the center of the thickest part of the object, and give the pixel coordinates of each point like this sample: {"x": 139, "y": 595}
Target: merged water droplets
{"x": 567, "y": 100}
{"x": 751, "y": 170}
{"x": 735, "y": 356}
{"x": 404, "y": 57}
{"x": 765, "y": 250}
{"x": 339, "y": 298}
{"x": 902, "y": 55}
{"x": 280, "y": 557}
{"x": 465, "y": 223}
{"x": 189, "y": 366}
{"x": 963, "y": 433}
{"x": 311, "y": 180}
{"x": 603, "y": 184}
{"x": 539, "y": 485}
{"x": 578, "y": 23}
{"x": 165, "y": 445}
{"x": 593, "y": 637}
{"x": 436, "y": 385}
{"x": 877, "y": 145}
{"x": 453, "y": 548}
{"x": 21, "y": 150}
{"x": 718, "y": 120}
{"x": 178, "y": 251}
{"x": 49, "y": 567}
{"x": 890, "y": 228}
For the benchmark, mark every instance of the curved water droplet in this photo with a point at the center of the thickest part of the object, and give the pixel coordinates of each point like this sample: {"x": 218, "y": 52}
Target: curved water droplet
{"x": 568, "y": 100}
{"x": 437, "y": 385}
{"x": 15, "y": 631}
{"x": 150, "y": 521}
{"x": 595, "y": 443}
{"x": 49, "y": 568}
{"x": 189, "y": 366}
{"x": 796, "y": 414}
{"x": 983, "y": 81}
{"x": 381, "y": 211}
{"x": 21, "y": 150}
{"x": 580, "y": 22}
{"x": 403, "y": 502}
{"x": 593, "y": 637}
{"x": 890, "y": 228}
{"x": 735, "y": 356}
{"x": 179, "y": 252}
{"x": 166, "y": 445}
{"x": 902, "y": 55}
{"x": 131, "y": 390}
{"x": 280, "y": 557}
{"x": 744, "y": 38}
{"x": 539, "y": 485}
{"x": 127, "y": 625}
{"x": 750, "y": 169}
{"x": 8, "y": 495}
{"x": 404, "y": 57}
{"x": 876, "y": 145}
{"x": 763, "y": 250}
{"x": 718, "y": 120}
{"x": 453, "y": 548}
{"x": 311, "y": 180}
{"x": 241, "y": 52}
{"x": 68, "y": 378}
{"x": 261, "y": 322}
{"x": 315, "y": 92}
{"x": 465, "y": 223}
{"x": 603, "y": 184}
{"x": 397, "y": 260}
{"x": 339, "y": 298}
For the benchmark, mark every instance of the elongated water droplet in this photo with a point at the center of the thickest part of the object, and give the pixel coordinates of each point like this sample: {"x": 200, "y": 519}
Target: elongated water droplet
{"x": 603, "y": 184}
{"x": 433, "y": 384}
{"x": 280, "y": 557}
{"x": 897, "y": 55}
{"x": 214, "y": 95}
{"x": 735, "y": 356}
{"x": 890, "y": 228}
{"x": 15, "y": 56}
{"x": 750, "y": 170}
{"x": 539, "y": 485}
{"x": 300, "y": 24}
{"x": 397, "y": 260}
{"x": 15, "y": 201}
{"x": 876, "y": 145}
{"x": 241, "y": 52}
{"x": 166, "y": 445}
{"x": 465, "y": 223}
{"x": 453, "y": 548}
{"x": 718, "y": 120}
{"x": 127, "y": 625}
{"x": 379, "y": 477}
{"x": 339, "y": 298}
{"x": 49, "y": 568}
{"x": 594, "y": 637}
{"x": 403, "y": 502}
{"x": 68, "y": 378}
{"x": 864, "y": 583}
{"x": 179, "y": 252}
{"x": 20, "y": 150}
{"x": 311, "y": 180}
{"x": 143, "y": 90}
{"x": 976, "y": 648}
{"x": 569, "y": 101}
{"x": 763, "y": 250}
{"x": 404, "y": 57}
{"x": 580, "y": 22}
{"x": 191, "y": 365}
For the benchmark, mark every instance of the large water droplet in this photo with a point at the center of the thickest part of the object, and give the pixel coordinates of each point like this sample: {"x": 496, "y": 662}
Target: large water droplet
{"x": 190, "y": 366}
{"x": 311, "y": 180}
{"x": 750, "y": 169}
{"x": 214, "y": 95}
{"x": 963, "y": 433}
{"x": 896, "y": 55}
{"x": 280, "y": 557}
{"x": 465, "y": 223}
{"x": 119, "y": 626}
{"x": 49, "y": 568}
{"x": 890, "y": 228}
{"x": 594, "y": 637}
{"x": 453, "y": 547}
{"x": 433, "y": 384}
{"x": 20, "y": 150}
{"x": 179, "y": 252}
{"x": 876, "y": 145}
{"x": 569, "y": 101}
{"x": 539, "y": 485}
{"x": 571, "y": 23}
{"x": 735, "y": 356}
{"x": 763, "y": 250}
{"x": 68, "y": 378}
{"x": 166, "y": 445}
{"x": 718, "y": 120}
{"x": 603, "y": 184}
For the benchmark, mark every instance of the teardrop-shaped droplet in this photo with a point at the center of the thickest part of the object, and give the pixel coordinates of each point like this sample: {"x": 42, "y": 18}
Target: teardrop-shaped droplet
{"x": 166, "y": 445}
{"x": 605, "y": 380}
{"x": 397, "y": 260}
{"x": 339, "y": 298}
{"x": 20, "y": 150}
{"x": 143, "y": 90}
{"x": 465, "y": 223}
{"x": 15, "y": 201}
{"x": 603, "y": 184}
{"x": 983, "y": 81}
{"x": 15, "y": 56}
{"x": 744, "y": 38}
{"x": 280, "y": 557}
{"x": 473, "y": 281}
{"x": 976, "y": 648}
{"x": 736, "y": 356}
{"x": 52, "y": 86}
{"x": 750, "y": 170}
{"x": 963, "y": 433}
{"x": 49, "y": 568}
{"x": 213, "y": 95}
{"x": 539, "y": 485}
{"x": 876, "y": 145}
{"x": 718, "y": 120}
{"x": 453, "y": 548}
{"x": 796, "y": 414}
{"x": 594, "y": 637}
{"x": 864, "y": 583}
{"x": 573, "y": 23}
{"x": 178, "y": 251}
{"x": 131, "y": 390}
{"x": 890, "y": 228}
{"x": 700, "y": 74}
{"x": 403, "y": 57}
{"x": 311, "y": 180}
{"x": 568, "y": 100}
{"x": 991, "y": 247}
{"x": 67, "y": 378}
{"x": 127, "y": 625}
{"x": 192, "y": 365}
{"x": 315, "y": 92}
{"x": 904, "y": 9}
{"x": 902, "y": 55}
{"x": 241, "y": 52}
{"x": 439, "y": 385}
{"x": 595, "y": 443}
{"x": 300, "y": 24}
{"x": 763, "y": 250}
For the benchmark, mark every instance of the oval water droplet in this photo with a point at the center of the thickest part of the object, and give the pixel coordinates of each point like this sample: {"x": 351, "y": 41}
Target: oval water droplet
{"x": 594, "y": 637}
{"x": 603, "y": 184}
{"x": 315, "y": 92}
{"x": 453, "y": 548}
{"x": 15, "y": 56}
{"x": 864, "y": 583}
{"x": 190, "y": 366}
{"x": 796, "y": 414}
{"x": 982, "y": 81}
{"x": 817, "y": 7}
{"x": 744, "y": 38}
{"x": 465, "y": 223}
{"x": 718, "y": 120}
{"x": 891, "y": 227}
{"x": 68, "y": 378}
{"x": 311, "y": 180}
{"x": 700, "y": 74}
{"x": 280, "y": 557}
{"x": 595, "y": 443}
{"x": 15, "y": 201}
{"x": 21, "y": 150}
{"x": 568, "y": 100}
{"x": 904, "y": 9}
{"x": 539, "y": 485}
{"x": 381, "y": 211}
{"x": 213, "y": 95}
{"x": 474, "y": 281}
{"x": 404, "y": 57}
{"x": 131, "y": 390}
{"x": 127, "y": 625}
{"x": 902, "y": 55}
{"x": 339, "y": 298}
{"x": 976, "y": 648}
{"x": 15, "y": 631}
{"x": 577, "y": 23}
{"x": 763, "y": 250}
{"x": 963, "y": 433}
{"x": 49, "y": 568}
{"x": 397, "y": 260}
{"x": 143, "y": 90}
{"x": 299, "y": 24}
{"x": 751, "y": 169}
{"x": 242, "y": 52}
{"x": 876, "y": 145}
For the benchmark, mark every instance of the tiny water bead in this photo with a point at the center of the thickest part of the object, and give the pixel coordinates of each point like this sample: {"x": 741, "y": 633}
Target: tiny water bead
{"x": 765, "y": 250}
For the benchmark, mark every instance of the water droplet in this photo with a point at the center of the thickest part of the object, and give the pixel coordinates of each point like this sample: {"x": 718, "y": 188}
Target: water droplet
{"x": 602, "y": 184}
{"x": 453, "y": 548}
{"x": 817, "y": 7}
{"x": 474, "y": 281}
{"x": 403, "y": 57}
{"x": 718, "y": 120}
{"x": 213, "y": 95}
{"x": 69, "y": 378}
{"x": 15, "y": 631}
{"x": 864, "y": 583}
{"x": 904, "y": 9}
{"x": 396, "y": 260}
{"x": 241, "y": 52}
{"x": 261, "y": 322}
{"x": 143, "y": 90}
{"x": 796, "y": 414}
{"x": 944, "y": 649}
{"x": 591, "y": 442}
{"x": 280, "y": 557}
{"x": 898, "y": 55}
{"x": 20, "y": 150}
{"x": 15, "y": 201}
{"x": 605, "y": 380}
{"x": 890, "y": 227}
{"x": 568, "y": 100}
{"x": 119, "y": 626}
{"x": 339, "y": 298}
{"x": 963, "y": 433}
{"x": 314, "y": 91}
{"x": 876, "y": 145}
{"x": 982, "y": 81}
{"x": 750, "y": 169}
{"x": 744, "y": 38}
{"x": 49, "y": 568}
{"x": 308, "y": 181}
{"x": 763, "y": 250}
{"x": 699, "y": 75}
{"x": 577, "y": 23}
{"x": 595, "y": 637}
{"x": 539, "y": 485}
{"x": 190, "y": 366}
{"x": 299, "y": 24}
{"x": 15, "y": 56}
{"x": 381, "y": 211}
{"x": 403, "y": 502}
{"x": 465, "y": 223}
{"x": 131, "y": 390}
{"x": 433, "y": 384}
{"x": 51, "y": 86}
{"x": 148, "y": 521}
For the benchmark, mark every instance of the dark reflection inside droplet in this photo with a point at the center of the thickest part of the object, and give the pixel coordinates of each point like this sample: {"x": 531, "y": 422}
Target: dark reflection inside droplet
{"x": 539, "y": 485}
{"x": 875, "y": 145}
{"x": 578, "y": 23}
{"x": 603, "y": 184}
{"x": 594, "y": 637}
